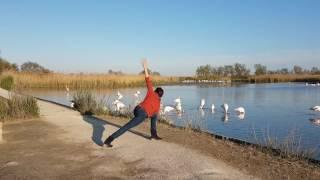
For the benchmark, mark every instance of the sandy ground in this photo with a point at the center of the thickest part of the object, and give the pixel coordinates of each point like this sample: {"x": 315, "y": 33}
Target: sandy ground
{"x": 62, "y": 144}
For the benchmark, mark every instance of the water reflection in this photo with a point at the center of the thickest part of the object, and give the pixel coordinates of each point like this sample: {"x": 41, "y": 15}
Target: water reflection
{"x": 225, "y": 118}
{"x": 202, "y": 113}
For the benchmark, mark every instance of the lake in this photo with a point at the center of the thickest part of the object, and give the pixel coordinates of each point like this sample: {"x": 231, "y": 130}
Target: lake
{"x": 272, "y": 110}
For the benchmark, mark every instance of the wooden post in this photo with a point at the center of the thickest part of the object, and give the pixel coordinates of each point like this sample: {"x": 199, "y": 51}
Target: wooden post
{"x": 1, "y": 124}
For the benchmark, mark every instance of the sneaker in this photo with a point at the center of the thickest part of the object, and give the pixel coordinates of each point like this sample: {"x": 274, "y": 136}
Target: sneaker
{"x": 108, "y": 144}
{"x": 108, "y": 141}
{"x": 156, "y": 137}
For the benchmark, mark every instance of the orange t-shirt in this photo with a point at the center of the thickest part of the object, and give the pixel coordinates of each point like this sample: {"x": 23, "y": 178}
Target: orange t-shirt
{"x": 151, "y": 103}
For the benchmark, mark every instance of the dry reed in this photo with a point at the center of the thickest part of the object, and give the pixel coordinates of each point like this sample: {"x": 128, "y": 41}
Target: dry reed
{"x": 80, "y": 81}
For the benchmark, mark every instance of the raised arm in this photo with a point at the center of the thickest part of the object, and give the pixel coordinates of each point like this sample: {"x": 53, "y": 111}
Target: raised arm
{"x": 145, "y": 67}
{"x": 148, "y": 81}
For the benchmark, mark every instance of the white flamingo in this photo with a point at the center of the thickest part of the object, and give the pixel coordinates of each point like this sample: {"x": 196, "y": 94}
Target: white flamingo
{"x": 241, "y": 116}
{"x": 212, "y": 108}
{"x": 315, "y": 121}
{"x": 178, "y": 100}
{"x": 179, "y": 107}
{"x": 118, "y": 105}
{"x": 168, "y": 109}
{"x": 137, "y": 94}
{"x": 67, "y": 89}
{"x": 119, "y": 95}
{"x": 225, "y": 108}
{"x": 315, "y": 108}
{"x": 178, "y": 104}
{"x": 240, "y": 110}
{"x": 202, "y": 103}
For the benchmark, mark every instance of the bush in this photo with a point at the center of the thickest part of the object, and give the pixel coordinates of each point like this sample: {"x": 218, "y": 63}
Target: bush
{"x": 7, "y": 83}
{"x": 86, "y": 103}
{"x": 18, "y": 107}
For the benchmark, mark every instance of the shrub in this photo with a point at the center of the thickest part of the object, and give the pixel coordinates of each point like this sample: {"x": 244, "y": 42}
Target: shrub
{"x": 18, "y": 107}
{"x": 86, "y": 103}
{"x": 7, "y": 83}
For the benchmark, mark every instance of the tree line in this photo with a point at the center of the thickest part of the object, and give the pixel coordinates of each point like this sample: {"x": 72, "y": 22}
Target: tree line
{"x": 33, "y": 67}
{"x": 29, "y": 66}
{"x": 263, "y": 70}
{"x": 238, "y": 70}
{"x": 210, "y": 72}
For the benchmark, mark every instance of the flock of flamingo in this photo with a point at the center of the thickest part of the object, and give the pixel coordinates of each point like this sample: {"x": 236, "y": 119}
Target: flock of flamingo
{"x": 119, "y": 105}
{"x": 177, "y": 106}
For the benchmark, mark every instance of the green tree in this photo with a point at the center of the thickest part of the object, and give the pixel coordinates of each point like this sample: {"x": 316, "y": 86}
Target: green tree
{"x": 284, "y": 71}
{"x": 260, "y": 69}
{"x": 33, "y": 67}
{"x": 204, "y": 71}
{"x": 5, "y": 65}
{"x": 315, "y": 70}
{"x": 228, "y": 71}
{"x": 241, "y": 70}
{"x": 297, "y": 69}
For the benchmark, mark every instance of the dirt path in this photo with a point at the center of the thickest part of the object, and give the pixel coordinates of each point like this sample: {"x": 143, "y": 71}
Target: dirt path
{"x": 64, "y": 144}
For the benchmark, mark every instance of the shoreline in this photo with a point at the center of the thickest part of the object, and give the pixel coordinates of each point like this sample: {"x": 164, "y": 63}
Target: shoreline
{"x": 250, "y": 158}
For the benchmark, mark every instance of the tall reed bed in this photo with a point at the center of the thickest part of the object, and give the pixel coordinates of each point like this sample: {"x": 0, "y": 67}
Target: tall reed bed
{"x": 84, "y": 81}
{"x": 275, "y": 78}
{"x": 18, "y": 107}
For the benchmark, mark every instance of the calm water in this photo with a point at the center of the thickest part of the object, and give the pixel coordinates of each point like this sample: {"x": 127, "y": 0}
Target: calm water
{"x": 271, "y": 109}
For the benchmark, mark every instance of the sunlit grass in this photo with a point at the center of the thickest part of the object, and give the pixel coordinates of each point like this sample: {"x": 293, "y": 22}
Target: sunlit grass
{"x": 80, "y": 81}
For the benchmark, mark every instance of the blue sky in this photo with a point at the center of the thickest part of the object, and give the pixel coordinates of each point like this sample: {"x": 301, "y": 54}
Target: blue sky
{"x": 175, "y": 35}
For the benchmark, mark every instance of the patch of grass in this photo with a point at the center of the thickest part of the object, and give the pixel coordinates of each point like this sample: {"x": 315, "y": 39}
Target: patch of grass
{"x": 18, "y": 107}
{"x": 7, "y": 82}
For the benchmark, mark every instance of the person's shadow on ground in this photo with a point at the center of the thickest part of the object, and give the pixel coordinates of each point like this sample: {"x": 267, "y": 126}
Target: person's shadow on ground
{"x": 98, "y": 126}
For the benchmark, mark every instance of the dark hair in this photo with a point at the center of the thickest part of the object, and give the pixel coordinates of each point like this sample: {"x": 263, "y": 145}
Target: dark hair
{"x": 159, "y": 91}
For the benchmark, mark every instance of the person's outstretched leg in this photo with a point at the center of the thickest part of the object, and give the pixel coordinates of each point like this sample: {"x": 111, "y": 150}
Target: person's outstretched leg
{"x": 139, "y": 116}
{"x": 153, "y": 127}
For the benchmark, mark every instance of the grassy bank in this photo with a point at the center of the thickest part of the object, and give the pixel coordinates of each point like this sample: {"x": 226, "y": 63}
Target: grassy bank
{"x": 18, "y": 107}
{"x": 275, "y": 78}
{"x": 255, "y": 160}
{"x": 79, "y": 81}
